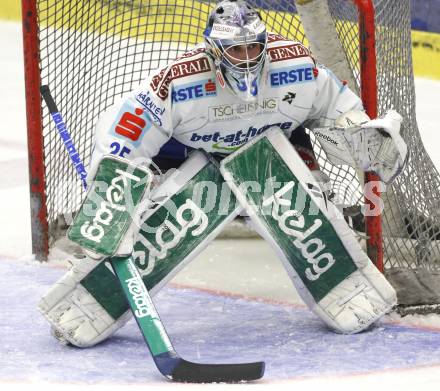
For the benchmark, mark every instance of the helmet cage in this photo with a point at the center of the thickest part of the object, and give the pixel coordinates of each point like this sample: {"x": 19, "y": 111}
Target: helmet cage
{"x": 241, "y": 61}
{"x": 242, "y": 54}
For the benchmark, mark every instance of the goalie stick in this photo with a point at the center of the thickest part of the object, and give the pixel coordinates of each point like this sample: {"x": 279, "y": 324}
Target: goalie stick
{"x": 167, "y": 361}
{"x": 64, "y": 134}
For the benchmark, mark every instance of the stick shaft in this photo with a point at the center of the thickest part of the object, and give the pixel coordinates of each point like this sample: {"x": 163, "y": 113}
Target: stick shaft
{"x": 64, "y": 134}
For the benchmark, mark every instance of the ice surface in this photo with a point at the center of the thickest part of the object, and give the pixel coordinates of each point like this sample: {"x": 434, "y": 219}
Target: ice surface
{"x": 234, "y": 303}
{"x": 292, "y": 341}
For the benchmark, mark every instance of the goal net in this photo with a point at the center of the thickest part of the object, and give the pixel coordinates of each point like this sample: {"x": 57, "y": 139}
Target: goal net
{"x": 90, "y": 52}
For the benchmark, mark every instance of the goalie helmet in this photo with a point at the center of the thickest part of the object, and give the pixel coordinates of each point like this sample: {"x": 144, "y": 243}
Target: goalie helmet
{"x": 236, "y": 39}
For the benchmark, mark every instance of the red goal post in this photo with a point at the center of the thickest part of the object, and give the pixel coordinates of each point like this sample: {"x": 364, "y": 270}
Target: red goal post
{"x": 34, "y": 113}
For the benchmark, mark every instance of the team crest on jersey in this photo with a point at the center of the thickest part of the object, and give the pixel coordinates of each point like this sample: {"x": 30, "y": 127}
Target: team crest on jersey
{"x": 161, "y": 82}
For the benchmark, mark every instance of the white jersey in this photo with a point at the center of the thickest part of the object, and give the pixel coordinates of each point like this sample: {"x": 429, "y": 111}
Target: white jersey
{"x": 186, "y": 101}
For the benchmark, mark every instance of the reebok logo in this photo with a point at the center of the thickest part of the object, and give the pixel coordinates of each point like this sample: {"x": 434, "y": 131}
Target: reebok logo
{"x": 326, "y": 137}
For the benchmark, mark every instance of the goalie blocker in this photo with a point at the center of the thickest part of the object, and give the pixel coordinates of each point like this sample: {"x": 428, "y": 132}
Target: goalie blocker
{"x": 320, "y": 253}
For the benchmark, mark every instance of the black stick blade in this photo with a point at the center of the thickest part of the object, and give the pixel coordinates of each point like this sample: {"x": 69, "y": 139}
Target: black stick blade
{"x": 189, "y": 372}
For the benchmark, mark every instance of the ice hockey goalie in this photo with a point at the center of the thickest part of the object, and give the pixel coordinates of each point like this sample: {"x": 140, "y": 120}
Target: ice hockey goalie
{"x": 232, "y": 111}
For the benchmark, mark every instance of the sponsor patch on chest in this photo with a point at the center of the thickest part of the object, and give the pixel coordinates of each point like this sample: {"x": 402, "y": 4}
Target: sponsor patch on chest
{"x": 229, "y": 112}
{"x": 230, "y": 142}
{"x": 291, "y": 75}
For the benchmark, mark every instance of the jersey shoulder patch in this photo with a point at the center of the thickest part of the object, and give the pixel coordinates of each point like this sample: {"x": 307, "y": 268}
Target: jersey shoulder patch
{"x": 188, "y": 64}
{"x": 280, "y": 48}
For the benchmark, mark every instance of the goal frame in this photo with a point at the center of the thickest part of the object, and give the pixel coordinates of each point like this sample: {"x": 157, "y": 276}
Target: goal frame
{"x": 37, "y": 179}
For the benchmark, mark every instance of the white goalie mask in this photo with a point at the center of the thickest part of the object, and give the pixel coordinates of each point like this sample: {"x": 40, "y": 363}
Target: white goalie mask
{"x": 236, "y": 39}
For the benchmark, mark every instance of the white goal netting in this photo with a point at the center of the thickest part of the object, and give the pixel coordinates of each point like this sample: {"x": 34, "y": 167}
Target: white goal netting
{"x": 92, "y": 51}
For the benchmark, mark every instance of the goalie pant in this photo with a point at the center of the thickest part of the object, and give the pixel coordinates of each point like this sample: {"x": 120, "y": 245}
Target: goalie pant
{"x": 86, "y": 306}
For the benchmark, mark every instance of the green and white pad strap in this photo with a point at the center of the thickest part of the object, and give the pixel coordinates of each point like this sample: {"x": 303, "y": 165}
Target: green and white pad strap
{"x": 328, "y": 267}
